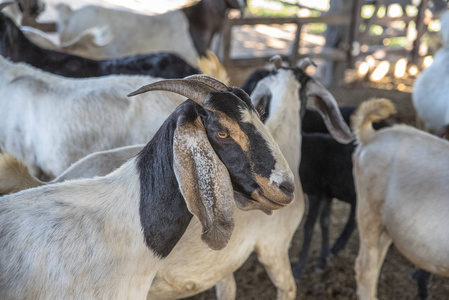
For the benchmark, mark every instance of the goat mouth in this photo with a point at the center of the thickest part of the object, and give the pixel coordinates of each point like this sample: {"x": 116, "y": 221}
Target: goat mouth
{"x": 257, "y": 201}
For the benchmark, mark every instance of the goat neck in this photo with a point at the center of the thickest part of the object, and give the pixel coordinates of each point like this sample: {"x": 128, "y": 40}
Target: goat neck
{"x": 205, "y": 19}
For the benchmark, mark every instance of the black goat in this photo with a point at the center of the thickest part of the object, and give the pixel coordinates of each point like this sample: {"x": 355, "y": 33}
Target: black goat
{"x": 18, "y": 48}
{"x": 326, "y": 173}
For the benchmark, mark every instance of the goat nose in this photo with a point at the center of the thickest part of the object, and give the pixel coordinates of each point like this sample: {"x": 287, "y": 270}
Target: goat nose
{"x": 287, "y": 187}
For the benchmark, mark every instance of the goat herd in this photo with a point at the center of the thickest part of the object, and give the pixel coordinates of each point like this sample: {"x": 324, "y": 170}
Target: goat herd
{"x": 166, "y": 193}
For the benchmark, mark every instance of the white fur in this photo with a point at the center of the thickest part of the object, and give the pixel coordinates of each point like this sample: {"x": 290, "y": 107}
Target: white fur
{"x": 401, "y": 180}
{"x": 90, "y": 41}
{"x": 431, "y": 88}
{"x": 50, "y": 122}
{"x": 164, "y": 32}
{"x": 76, "y": 240}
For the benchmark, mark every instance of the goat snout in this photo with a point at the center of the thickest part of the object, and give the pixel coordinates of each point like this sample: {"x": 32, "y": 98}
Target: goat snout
{"x": 287, "y": 187}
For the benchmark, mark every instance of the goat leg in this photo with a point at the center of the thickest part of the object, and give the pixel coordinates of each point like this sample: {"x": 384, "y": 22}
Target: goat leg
{"x": 423, "y": 279}
{"x": 374, "y": 244}
{"x": 274, "y": 258}
{"x": 325, "y": 212}
{"x": 346, "y": 233}
{"x": 226, "y": 288}
{"x": 314, "y": 207}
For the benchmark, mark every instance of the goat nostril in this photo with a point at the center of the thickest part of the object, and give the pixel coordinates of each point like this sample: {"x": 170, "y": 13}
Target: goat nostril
{"x": 287, "y": 187}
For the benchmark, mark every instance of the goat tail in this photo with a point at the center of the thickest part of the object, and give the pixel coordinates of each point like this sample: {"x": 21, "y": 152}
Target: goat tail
{"x": 369, "y": 112}
{"x": 210, "y": 65}
{"x": 14, "y": 175}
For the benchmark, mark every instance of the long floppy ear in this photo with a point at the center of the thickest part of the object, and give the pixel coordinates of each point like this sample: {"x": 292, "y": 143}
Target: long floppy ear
{"x": 328, "y": 108}
{"x": 204, "y": 182}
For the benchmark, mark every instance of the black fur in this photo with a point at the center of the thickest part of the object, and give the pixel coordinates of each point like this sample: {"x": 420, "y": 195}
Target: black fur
{"x": 326, "y": 173}
{"x": 206, "y": 19}
{"x": 251, "y": 82}
{"x": 18, "y": 48}
{"x": 259, "y": 152}
{"x": 163, "y": 213}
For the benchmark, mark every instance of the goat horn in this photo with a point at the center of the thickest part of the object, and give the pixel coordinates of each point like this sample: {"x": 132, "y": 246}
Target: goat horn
{"x": 197, "y": 91}
{"x": 210, "y": 81}
{"x": 277, "y": 61}
{"x": 5, "y": 4}
{"x": 305, "y": 62}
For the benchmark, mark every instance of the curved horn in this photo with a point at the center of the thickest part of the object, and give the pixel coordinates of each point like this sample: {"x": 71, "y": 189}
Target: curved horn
{"x": 197, "y": 91}
{"x": 210, "y": 81}
{"x": 277, "y": 61}
{"x": 305, "y": 62}
{"x": 5, "y": 4}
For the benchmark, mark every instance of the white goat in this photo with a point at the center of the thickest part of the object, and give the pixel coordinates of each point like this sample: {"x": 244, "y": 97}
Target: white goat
{"x": 51, "y": 121}
{"x": 187, "y": 32}
{"x": 401, "y": 182}
{"x": 59, "y": 241}
{"x": 431, "y": 88}
{"x": 191, "y": 267}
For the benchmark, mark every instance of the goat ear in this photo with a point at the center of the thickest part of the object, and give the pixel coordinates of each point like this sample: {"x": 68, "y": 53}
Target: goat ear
{"x": 204, "y": 182}
{"x": 328, "y": 108}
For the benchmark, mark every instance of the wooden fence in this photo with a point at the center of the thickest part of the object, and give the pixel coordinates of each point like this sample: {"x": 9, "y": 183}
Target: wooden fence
{"x": 344, "y": 54}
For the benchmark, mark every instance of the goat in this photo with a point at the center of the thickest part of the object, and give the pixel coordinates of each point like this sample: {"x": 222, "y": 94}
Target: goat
{"x": 44, "y": 115}
{"x": 268, "y": 236}
{"x": 326, "y": 173}
{"x": 18, "y": 48}
{"x": 396, "y": 169}
{"x": 432, "y": 85}
{"x": 190, "y": 29}
{"x": 61, "y": 239}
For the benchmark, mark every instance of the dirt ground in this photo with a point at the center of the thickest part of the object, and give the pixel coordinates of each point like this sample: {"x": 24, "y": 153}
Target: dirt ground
{"x": 337, "y": 281}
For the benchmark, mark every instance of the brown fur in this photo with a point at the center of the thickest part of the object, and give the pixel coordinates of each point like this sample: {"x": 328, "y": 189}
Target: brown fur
{"x": 210, "y": 65}
{"x": 368, "y": 112}
{"x": 14, "y": 175}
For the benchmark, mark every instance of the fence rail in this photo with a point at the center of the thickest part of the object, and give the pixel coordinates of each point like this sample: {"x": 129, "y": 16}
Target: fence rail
{"x": 353, "y": 20}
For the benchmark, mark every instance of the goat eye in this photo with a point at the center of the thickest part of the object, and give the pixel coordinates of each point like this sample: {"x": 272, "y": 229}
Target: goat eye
{"x": 222, "y": 134}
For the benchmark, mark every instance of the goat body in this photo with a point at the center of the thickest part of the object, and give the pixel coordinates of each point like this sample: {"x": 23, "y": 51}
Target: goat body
{"x": 50, "y": 121}
{"x": 78, "y": 226}
{"x": 18, "y": 48}
{"x": 190, "y": 29}
{"x": 431, "y": 88}
{"x": 400, "y": 179}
